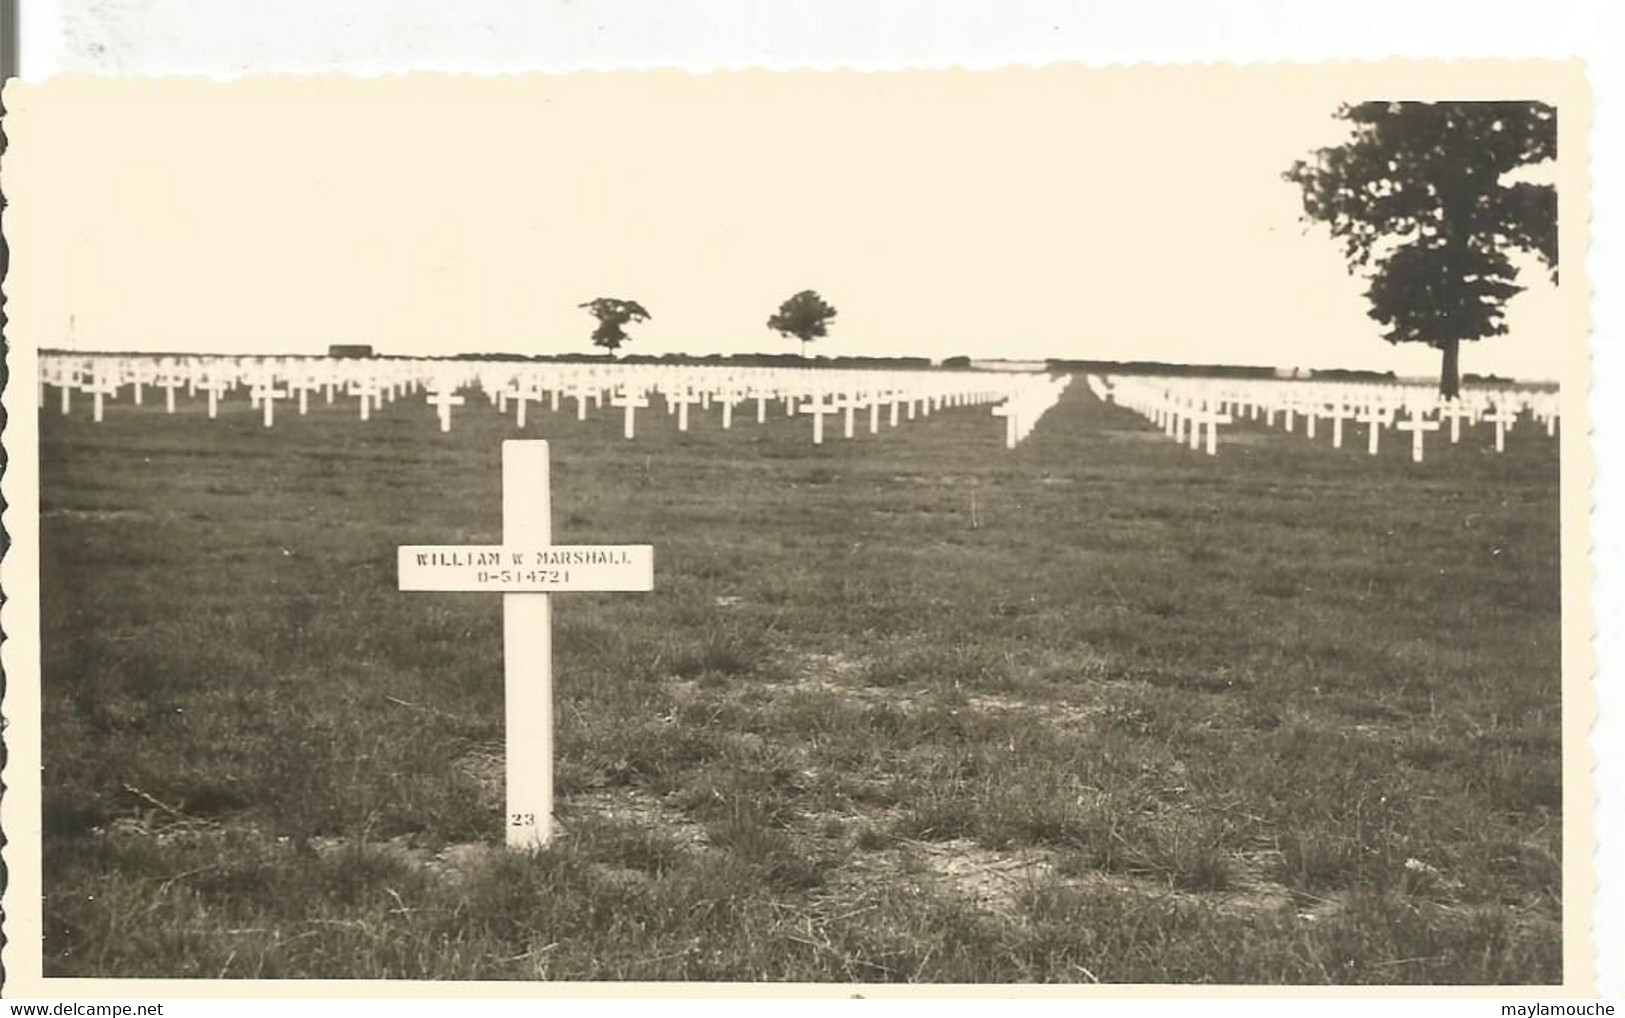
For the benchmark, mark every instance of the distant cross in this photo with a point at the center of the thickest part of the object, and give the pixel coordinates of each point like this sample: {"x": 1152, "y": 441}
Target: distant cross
{"x": 303, "y": 387}
{"x": 527, "y": 569}
{"x": 684, "y": 398}
{"x": 818, "y": 408}
{"x": 367, "y": 389}
{"x": 727, "y": 396}
{"x": 1210, "y": 418}
{"x": 1503, "y": 422}
{"x": 631, "y": 400}
{"x": 1455, "y": 410}
{"x": 103, "y": 384}
{"x": 1338, "y": 412}
{"x": 1374, "y": 417}
{"x": 216, "y": 386}
{"x": 170, "y": 383}
{"x": 1417, "y": 425}
{"x": 520, "y": 395}
{"x": 443, "y": 399}
{"x": 266, "y": 393}
{"x": 848, "y": 404}
{"x": 68, "y": 381}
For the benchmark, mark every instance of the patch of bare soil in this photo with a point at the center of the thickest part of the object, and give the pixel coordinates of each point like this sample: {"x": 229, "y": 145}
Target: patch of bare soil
{"x": 989, "y": 879}
{"x": 90, "y": 515}
{"x": 636, "y": 806}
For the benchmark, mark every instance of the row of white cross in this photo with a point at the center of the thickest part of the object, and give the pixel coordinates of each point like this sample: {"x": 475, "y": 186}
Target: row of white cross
{"x": 818, "y": 393}
{"x": 1194, "y": 407}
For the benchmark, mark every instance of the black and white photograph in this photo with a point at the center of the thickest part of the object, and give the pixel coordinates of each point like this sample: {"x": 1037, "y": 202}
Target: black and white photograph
{"x": 1094, "y": 526}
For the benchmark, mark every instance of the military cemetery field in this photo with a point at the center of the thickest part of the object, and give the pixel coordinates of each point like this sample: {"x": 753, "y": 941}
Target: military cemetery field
{"x": 904, "y": 707}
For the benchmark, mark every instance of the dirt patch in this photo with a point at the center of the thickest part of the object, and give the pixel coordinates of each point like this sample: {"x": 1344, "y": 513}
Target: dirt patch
{"x": 635, "y": 806}
{"x": 991, "y": 880}
{"x": 1057, "y": 713}
{"x": 90, "y": 515}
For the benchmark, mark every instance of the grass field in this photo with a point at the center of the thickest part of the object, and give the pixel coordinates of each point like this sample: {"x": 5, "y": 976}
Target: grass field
{"x": 908, "y": 707}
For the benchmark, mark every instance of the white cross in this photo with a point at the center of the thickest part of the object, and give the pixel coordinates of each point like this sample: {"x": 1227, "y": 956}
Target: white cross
{"x": 727, "y": 395}
{"x": 367, "y": 389}
{"x": 818, "y": 408}
{"x": 1374, "y": 417}
{"x": 104, "y": 384}
{"x": 169, "y": 385}
{"x": 520, "y": 395}
{"x": 1503, "y": 421}
{"x": 527, "y": 569}
{"x": 683, "y": 398}
{"x": 1339, "y": 411}
{"x": 1417, "y": 425}
{"x": 443, "y": 400}
{"x": 266, "y": 392}
{"x": 631, "y": 399}
{"x": 216, "y": 386}
{"x": 1210, "y": 417}
{"x": 68, "y": 383}
{"x": 848, "y": 404}
{"x": 1455, "y": 410}
{"x": 304, "y": 386}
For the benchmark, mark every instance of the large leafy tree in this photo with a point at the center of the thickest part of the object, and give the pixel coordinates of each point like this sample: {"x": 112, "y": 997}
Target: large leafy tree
{"x": 613, "y": 316}
{"x": 805, "y": 316}
{"x": 1419, "y": 199}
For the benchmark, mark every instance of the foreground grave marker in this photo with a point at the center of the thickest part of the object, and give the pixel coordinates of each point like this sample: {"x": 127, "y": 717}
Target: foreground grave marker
{"x": 526, "y": 569}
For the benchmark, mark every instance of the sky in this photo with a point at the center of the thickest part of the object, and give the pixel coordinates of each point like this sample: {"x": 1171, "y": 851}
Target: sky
{"x": 1134, "y": 214}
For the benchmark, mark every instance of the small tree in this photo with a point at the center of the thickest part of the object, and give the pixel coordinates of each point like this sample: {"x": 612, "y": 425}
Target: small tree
{"x": 613, "y": 314}
{"x": 805, "y": 316}
{"x": 1417, "y": 198}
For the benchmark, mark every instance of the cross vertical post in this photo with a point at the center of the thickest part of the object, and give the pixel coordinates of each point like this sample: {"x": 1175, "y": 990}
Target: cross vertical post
{"x": 527, "y": 652}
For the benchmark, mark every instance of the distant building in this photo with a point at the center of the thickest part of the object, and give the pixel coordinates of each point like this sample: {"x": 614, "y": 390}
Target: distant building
{"x": 355, "y": 350}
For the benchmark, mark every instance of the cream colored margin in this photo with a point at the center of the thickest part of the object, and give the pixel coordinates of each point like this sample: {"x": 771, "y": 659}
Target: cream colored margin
{"x": 33, "y": 112}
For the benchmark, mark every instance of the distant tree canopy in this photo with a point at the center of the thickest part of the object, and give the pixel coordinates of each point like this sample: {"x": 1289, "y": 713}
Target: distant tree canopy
{"x": 613, "y": 315}
{"x": 1417, "y": 198}
{"x": 805, "y": 316}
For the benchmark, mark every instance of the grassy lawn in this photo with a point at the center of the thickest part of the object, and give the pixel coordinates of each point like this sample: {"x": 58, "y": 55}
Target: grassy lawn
{"x": 906, "y": 707}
